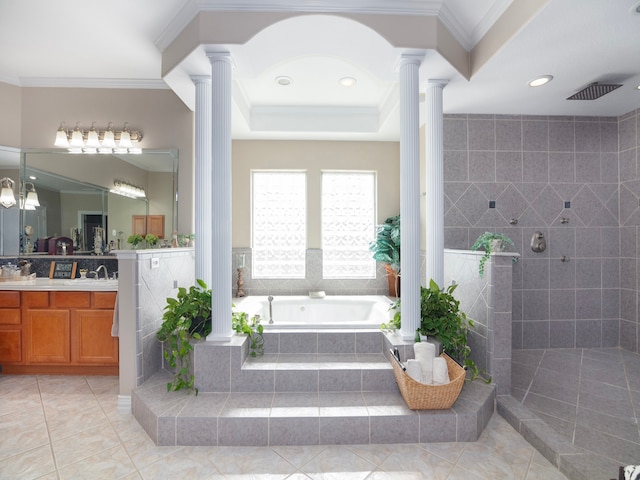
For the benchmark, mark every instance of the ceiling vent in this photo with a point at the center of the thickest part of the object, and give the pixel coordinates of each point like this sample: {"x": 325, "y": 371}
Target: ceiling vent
{"x": 594, "y": 91}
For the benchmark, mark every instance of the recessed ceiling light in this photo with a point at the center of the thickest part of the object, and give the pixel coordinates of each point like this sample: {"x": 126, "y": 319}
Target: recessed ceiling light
{"x": 32, "y": 177}
{"x": 283, "y": 80}
{"x": 347, "y": 81}
{"x": 638, "y": 87}
{"x": 635, "y": 9}
{"x": 539, "y": 81}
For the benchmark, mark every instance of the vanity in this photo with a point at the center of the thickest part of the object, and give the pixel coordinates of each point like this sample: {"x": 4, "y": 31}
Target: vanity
{"x": 57, "y": 326}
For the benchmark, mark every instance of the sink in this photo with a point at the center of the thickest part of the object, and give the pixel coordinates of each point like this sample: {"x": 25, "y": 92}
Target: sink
{"x": 92, "y": 281}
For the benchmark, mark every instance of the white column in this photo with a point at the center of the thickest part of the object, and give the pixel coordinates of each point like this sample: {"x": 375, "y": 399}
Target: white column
{"x": 220, "y": 215}
{"x": 434, "y": 151}
{"x": 410, "y": 194}
{"x": 203, "y": 174}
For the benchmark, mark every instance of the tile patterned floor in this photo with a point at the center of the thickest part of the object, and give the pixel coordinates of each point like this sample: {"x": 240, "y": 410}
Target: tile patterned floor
{"x": 63, "y": 427}
{"x": 591, "y": 397}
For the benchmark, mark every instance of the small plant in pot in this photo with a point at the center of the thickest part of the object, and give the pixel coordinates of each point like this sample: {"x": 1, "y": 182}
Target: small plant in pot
{"x": 151, "y": 239}
{"x": 441, "y": 318}
{"x": 491, "y": 242}
{"x": 135, "y": 240}
{"x": 386, "y": 249}
{"x": 186, "y": 317}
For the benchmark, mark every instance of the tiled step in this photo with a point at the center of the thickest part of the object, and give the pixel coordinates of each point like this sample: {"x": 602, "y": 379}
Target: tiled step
{"x": 317, "y": 373}
{"x": 287, "y": 418}
{"x": 310, "y": 388}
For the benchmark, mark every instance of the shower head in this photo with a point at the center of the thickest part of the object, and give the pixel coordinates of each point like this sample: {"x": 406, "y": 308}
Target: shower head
{"x": 594, "y": 91}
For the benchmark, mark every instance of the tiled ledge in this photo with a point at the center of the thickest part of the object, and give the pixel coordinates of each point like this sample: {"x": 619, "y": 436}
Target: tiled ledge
{"x": 574, "y": 462}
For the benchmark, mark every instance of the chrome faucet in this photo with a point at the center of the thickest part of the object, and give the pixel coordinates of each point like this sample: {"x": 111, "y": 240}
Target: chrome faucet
{"x": 106, "y": 274}
{"x": 270, "y": 298}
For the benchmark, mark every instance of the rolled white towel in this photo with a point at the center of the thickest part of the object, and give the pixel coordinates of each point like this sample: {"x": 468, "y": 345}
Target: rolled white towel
{"x": 414, "y": 370}
{"x": 425, "y": 353}
{"x": 440, "y": 371}
{"x": 632, "y": 472}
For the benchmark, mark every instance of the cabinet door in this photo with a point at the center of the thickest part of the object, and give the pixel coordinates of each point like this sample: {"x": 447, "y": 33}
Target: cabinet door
{"x": 156, "y": 225}
{"x": 48, "y": 336}
{"x": 93, "y": 342}
{"x": 10, "y": 346}
{"x": 139, "y": 224}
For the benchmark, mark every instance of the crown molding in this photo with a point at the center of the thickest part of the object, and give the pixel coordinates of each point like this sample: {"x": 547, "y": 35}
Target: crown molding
{"x": 193, "y": 7}
{"x": 56, "y": 82}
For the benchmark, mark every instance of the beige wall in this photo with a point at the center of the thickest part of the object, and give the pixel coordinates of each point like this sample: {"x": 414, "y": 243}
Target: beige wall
{"x": 313, "y": 157}
{"x": 10, "y": 115}
{"x": 30, "y": 116}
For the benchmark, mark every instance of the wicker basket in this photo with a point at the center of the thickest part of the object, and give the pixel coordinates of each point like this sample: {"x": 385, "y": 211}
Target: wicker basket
{"x": 420, "y": 396}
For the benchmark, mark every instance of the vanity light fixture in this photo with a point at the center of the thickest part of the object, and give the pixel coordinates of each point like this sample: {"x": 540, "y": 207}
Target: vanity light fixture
{"x": 539, "y": 81}
{"x": 126, "y": 189}
{"x": 94, "y": 141}
{"x": 30, "y": 195}
{"x": 7, "y": 197}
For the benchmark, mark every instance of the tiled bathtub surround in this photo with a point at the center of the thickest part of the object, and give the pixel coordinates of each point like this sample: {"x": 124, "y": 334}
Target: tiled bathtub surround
{"x": 539, "y": 171}
{"x": 312, "y": 282}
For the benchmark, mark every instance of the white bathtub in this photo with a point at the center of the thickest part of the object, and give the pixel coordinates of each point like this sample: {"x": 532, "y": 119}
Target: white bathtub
{"x": 303, "y": 312}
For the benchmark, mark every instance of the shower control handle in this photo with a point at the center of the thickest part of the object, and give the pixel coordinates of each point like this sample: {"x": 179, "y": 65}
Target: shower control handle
{"x": 538, "y": 242}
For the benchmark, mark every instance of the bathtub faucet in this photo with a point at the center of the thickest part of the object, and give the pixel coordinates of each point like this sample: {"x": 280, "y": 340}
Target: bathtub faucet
{"x": 270, "y": 298}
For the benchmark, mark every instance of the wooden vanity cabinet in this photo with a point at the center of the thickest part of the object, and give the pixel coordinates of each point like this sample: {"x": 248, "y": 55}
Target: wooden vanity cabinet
{"x": 11, "y": 340}
{"x": 61, "y": 332}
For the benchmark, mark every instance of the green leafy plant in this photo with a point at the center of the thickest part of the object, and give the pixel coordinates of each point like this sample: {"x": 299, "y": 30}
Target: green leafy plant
{"x": 185, "y": 317}
{"x": 441, "y": 317}
{"x": 386, "y": 246}
{"x": 489, "y": 241}
{"x": 241, "y": 323}
{"x": 151, "y": 239}
{"x": 135, "y": 239}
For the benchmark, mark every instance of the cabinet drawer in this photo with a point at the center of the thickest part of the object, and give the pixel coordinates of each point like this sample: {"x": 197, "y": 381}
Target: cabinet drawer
{"x": 9, "y": 299}
{"x": 70, "y": 299}
{"x": 104, "y": 299}
{"x": 10, "y": 316}
{"x": 35, "y": 299}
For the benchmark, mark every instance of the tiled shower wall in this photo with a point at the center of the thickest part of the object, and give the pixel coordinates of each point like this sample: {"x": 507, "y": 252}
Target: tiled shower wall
{"x": 629, "y": 135}
{"x": 558, "y": 176}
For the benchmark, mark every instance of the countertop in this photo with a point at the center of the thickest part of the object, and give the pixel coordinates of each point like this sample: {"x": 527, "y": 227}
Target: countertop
{"x": 47, "y": 284}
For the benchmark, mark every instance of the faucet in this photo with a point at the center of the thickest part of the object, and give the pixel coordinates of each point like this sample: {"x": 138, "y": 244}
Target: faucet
{"x": 270, "y": 298}
{"x": 106, "y": 274}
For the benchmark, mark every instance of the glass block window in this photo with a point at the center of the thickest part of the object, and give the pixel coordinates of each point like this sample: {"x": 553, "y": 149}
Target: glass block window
{"x": 348, "y": 224}
{"x": 278, "y": 225}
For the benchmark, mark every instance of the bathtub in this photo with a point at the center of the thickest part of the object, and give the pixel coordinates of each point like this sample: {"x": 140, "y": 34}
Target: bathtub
{"x": 303, "y": 312}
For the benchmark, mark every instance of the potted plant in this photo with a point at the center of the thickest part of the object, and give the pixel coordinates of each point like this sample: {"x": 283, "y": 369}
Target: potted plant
{"x": 241, "y": 324}
{"x": 151, "y": 239}
{"x": 491, "y": 242}
{"x": 185, "y": 317}
{"x": 441, "y": 318}
{"x": 135, "y": 240}
{"x": 386, "y": 249}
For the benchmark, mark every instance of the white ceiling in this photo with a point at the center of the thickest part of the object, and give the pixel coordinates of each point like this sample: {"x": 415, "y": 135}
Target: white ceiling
{"x": 119, "y": 44}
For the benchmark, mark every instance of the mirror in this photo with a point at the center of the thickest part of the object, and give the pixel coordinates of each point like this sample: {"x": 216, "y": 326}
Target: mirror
{"x": 74, "y": 192}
